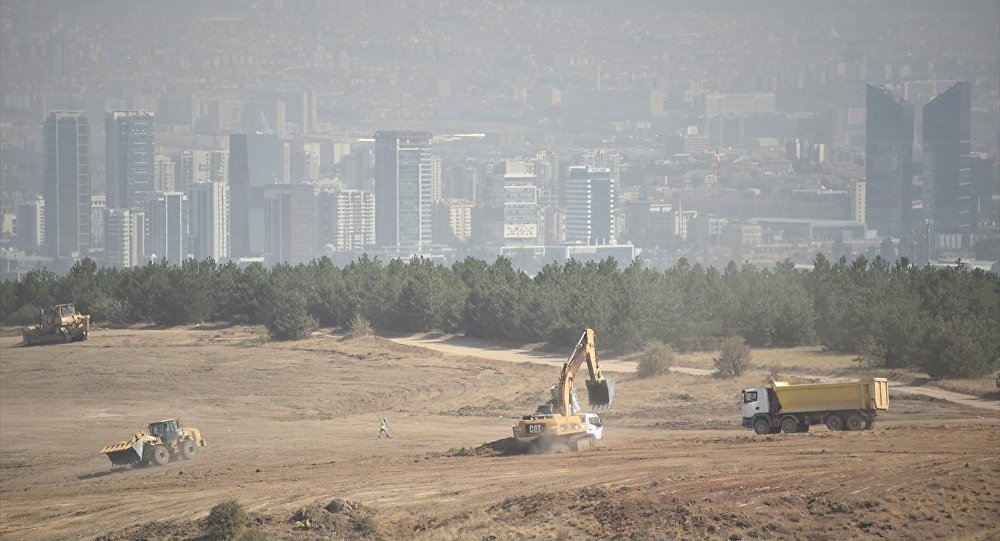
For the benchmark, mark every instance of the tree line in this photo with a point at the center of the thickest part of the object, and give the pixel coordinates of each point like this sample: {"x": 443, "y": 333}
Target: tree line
{"x": 941, "y": 320}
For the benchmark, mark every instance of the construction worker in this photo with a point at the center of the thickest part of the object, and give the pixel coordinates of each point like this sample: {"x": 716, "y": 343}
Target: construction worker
{"x": 383, "y": 428}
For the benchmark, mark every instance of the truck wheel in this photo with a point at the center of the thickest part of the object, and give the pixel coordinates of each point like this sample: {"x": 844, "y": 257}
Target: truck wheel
{"x": 188, "y": 449}
{"x": 789, "y": 425}
{"x": 761, "y": 426}
{"x": 804, "y": 427}
{"x": 160, "y": 455}
{"x": 835, "y": 422}
{"x": 855, "y": 422}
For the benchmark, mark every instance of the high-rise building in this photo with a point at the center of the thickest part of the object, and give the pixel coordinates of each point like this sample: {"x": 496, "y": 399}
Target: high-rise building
{"x": 67, "y": 184}
{"x": 404, "y": 211}
{"x": 590, "y": 202}
{"x": 604, "y": 158}
{"x": 218, "y": 171}
{"x": 208, "y": 204}
{"x": 98, "y": 210}
{"x": 29, "y": 227}
{"x": 345, "y": 219}
{"x": 888, "y": 160}
{"x": 255, "y": 160}
{"x": 164, "y": 174}
{"x": 946, "y": 181}
{"x": 169, "y": 227}
{"x": 119, "y": 238}
{"x": 289, "y": 223}
{"x": 130, "y": 154}
{"x": 452, "y": 221}
{"x": 436, "y": 177}
{"x": 520, "y": 204}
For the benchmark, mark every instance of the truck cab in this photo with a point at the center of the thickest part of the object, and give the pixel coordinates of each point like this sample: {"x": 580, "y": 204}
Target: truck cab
{"x": 755, "y": 402}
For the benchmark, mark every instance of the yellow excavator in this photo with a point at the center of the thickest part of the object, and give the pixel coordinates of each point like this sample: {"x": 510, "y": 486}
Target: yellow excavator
{"x": 558, "y": 420}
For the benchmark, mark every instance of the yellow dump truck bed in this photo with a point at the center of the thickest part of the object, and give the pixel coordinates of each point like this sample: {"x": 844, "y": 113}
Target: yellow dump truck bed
{"x": 869, "y": 394}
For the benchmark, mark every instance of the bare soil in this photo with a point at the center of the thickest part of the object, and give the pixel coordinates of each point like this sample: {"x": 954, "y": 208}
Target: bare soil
{"x": 292, "y": 434}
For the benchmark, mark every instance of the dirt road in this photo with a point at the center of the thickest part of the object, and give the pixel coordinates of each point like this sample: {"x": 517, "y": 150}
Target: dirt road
{"x": 460, "y": 345}
{"x": 292, "y": 426}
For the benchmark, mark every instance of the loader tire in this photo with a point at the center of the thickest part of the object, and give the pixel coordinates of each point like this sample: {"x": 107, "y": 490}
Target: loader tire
{"x": 159, "y": 456}
{"x": 835, "y": 422}
{"x": 789, "y": 425}
{"x": 188, "y": 449}
{"x": 855, "y": 422}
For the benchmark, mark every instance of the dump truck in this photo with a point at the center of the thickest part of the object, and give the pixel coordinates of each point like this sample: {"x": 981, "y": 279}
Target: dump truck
{"x": 161, "y": 442}
{"x": 558, "y": 421}
{"x": 788, "y": 408}
{"x": 58, "y": 324}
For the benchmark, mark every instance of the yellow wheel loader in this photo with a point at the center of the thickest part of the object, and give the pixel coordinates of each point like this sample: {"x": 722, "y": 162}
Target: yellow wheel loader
{"x": 557, "y": 421}
{"x": 60, "y": 323}
{"x": 161, "y": 442}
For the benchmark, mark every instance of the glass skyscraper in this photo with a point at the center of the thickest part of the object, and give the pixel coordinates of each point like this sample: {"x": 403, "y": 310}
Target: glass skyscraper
{"x": 67, "y": 184}
{"x": 888, "y": 160}
{"x": 946, "y": 180}
{"x": 403, "y": 192}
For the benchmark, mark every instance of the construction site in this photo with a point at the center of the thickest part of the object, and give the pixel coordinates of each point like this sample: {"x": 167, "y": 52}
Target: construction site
{"x": 291, "y": 430}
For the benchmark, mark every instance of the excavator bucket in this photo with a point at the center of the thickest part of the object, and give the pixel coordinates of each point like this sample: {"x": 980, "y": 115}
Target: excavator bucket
{"x": 124, "y": 453}
{"x": 601, "y": 392}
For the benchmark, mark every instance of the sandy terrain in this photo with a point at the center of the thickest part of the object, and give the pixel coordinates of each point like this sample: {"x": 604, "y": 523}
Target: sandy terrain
{"x": 292, "y": 427}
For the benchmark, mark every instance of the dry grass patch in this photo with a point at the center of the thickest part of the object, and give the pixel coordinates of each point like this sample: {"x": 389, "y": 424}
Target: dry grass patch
{"x": 985, "y": 387}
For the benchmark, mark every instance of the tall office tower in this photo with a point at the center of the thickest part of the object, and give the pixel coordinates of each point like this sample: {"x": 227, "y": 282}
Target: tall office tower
{"x": 208, "y": 215}
{"x": 404, "y": 212}
{"x": 218, "y": 170}
{"x": 857, "y": 198}
{"x": 436, "y": 177}
{"x": 888, "y": 160}
{"x": 357, "y": 168}
{"x": 520, "y": 204}
{"x": 67, "y": 184}
{"x": 290, "y": 223}
{"x": 164, "y": 174}
{"x": 590, "y": 200}
{"x": 118, "y": 249}
{"x": 452, "y": 221}
{"x": 606, "y": 159}
{"x": 345, "y": 219}
{"x": 130, "y": 153}
{"x": 98, "y": 210}
{"x": 29, "y": 229}
{"x": 946, "y": 139}
{"x": 255, "y": 160}
{"x": 140, "y": 235}
{"x": 169, "y": 227}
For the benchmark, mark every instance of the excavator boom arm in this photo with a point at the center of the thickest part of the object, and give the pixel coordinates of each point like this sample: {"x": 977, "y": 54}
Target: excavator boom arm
{"x": 599, "y": 390}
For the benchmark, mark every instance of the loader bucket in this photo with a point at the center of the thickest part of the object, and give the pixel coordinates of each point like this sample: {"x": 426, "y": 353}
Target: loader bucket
{"x": 124, "y": 453}
{"x": 601, "y": 392}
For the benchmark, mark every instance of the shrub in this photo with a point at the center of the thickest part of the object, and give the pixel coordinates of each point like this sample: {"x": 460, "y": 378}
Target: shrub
{"x": 733, "y": 359}
{"x": 655, "y": 360}
{"x": 226, "y": 520}
{"x": 359, "y": 326}
{"x": 285, "y": 315}
{"x": 871, "y": 354}
{"x": 365, "y": 525}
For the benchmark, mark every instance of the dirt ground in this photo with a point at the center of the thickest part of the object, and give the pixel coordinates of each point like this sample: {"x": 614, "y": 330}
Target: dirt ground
{"x": 291, "y": 431}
